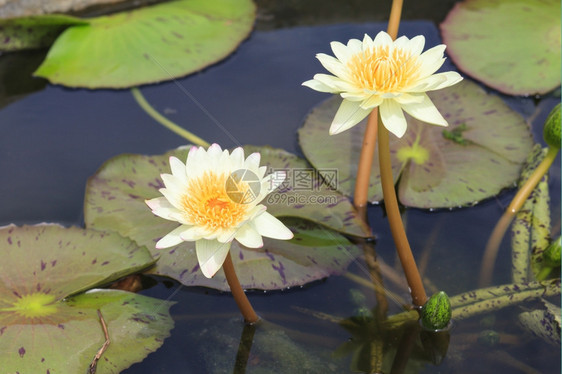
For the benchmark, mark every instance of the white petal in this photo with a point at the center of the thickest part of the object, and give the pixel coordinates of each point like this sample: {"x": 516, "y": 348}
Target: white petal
{"x": 393, "y": 117}
{"x": 252, "y": 162}
{"x": 248, "y": 236}
{"x": 162, "y": 208}
{"x": 354, "y": 46}
{"x": 211, "y": 255}
{"x": 443, "y": 80}
{"x": 172, "y": 197}
{"x": 348, "y": 115}
{"x": 372, "y": 102}
{"x": 237, "y": 158}
{"x": 178, "y": 169}
{"x": 273, "y": 180}
{"x": 367, "y": 42}
{"x": 381, "y": 39}
{"x": 406, "y": 98}
{"x": 341, "y": 52}
{"x": 225, "y": 235}
{"x": 401, "y": 42}
{"x": 333, "y": 65}
{"x": 171, "y": 239}
{"x": 425, "y": 111}
{"x": 356, "y": 95}
{"x": 318, "y": 86}
{"x": 195, "y": 164}
{"x": 269, "y": 226}
{"x": 173, "y": 184}
{"x": 337, "y": 84}
{"x": 261, "y": 171}
{"x": 415, "y": 45}
{"x": 431, "y": 60}
{"x": 192, "y": 233}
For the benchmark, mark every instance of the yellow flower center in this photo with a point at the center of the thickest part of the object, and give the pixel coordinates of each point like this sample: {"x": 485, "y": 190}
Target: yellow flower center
{"x": 381, "y": 70}
{"x": 206, "y": 203}
{"x": 34, "y": 305}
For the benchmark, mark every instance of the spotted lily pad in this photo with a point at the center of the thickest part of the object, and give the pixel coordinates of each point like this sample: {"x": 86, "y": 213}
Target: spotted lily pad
{"x": 479, "y": 154}
{"x": 42, "y": 267}
{"x": 34, "y": 31}
{"x": 148, "y": 45}
{"x": 512, "y": 46}
{"x": 115, "y": 201}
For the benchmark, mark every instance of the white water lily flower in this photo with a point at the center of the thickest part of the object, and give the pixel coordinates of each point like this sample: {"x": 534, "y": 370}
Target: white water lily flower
{"x": 215, "y": 197}
{"x": 391, "y": 75}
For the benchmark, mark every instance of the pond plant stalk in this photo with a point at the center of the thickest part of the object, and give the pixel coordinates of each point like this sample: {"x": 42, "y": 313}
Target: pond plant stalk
{"x": 237, "y": 291}
{"x": 551, "y": 134}
{"x": 375, "y": 127}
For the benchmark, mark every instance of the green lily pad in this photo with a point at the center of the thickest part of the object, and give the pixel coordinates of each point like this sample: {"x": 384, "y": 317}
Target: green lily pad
{"x": 42, "y": 266}
{"x": 531, "y": 226}
{"x": 148, "y": 45}
{"x": 34, "y": 31}
{"x": 479, "y": 154}
{"x": 512, "y": 46}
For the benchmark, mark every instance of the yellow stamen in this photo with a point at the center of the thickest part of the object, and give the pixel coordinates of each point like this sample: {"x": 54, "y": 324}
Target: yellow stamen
{"x": 383, "y": 70}
{"x": 206, "y": 203}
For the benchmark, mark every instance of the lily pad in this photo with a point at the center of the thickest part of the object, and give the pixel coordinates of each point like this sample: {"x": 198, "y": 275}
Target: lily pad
{"x": 34, "y": 31}
{"x": 479, "y": 154}
{"x": 42, "y": 266}
{"x": 148, "y": 45}
{"x": 512, "y": 46}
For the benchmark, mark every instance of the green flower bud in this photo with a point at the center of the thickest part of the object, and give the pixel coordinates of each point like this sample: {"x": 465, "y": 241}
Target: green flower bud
{"x": 551, "y": 132}
{"x": 551, "y": 255}
{"x": 436, "y": 313}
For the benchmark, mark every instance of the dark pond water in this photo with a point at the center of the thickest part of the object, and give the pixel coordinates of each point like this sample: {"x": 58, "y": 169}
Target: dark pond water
{"x": 54, "y": 139}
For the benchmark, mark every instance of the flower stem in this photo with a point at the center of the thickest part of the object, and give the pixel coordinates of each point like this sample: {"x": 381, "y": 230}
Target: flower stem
{"x": 493, "y": 245}
{"x": 240, "y": 297}
{"x": 370, "y": 137}
{"x": 396, "y": 227}
{"x": 394, "y": 18}
{"x": 194, "y": 139}
{"x": 365, "y": 165}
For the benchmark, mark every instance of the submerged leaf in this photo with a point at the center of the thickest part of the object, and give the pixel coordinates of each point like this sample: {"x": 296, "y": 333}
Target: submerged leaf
{"x": 147, "y": 45}
{"x": 512, "y": 46}
{"x": 478, "y": 155}
{"x": 545, "y": 323}
{"x": 531, "y": 226}
{"x": 41, "y": 266}
{"x": 34, "y": 31}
